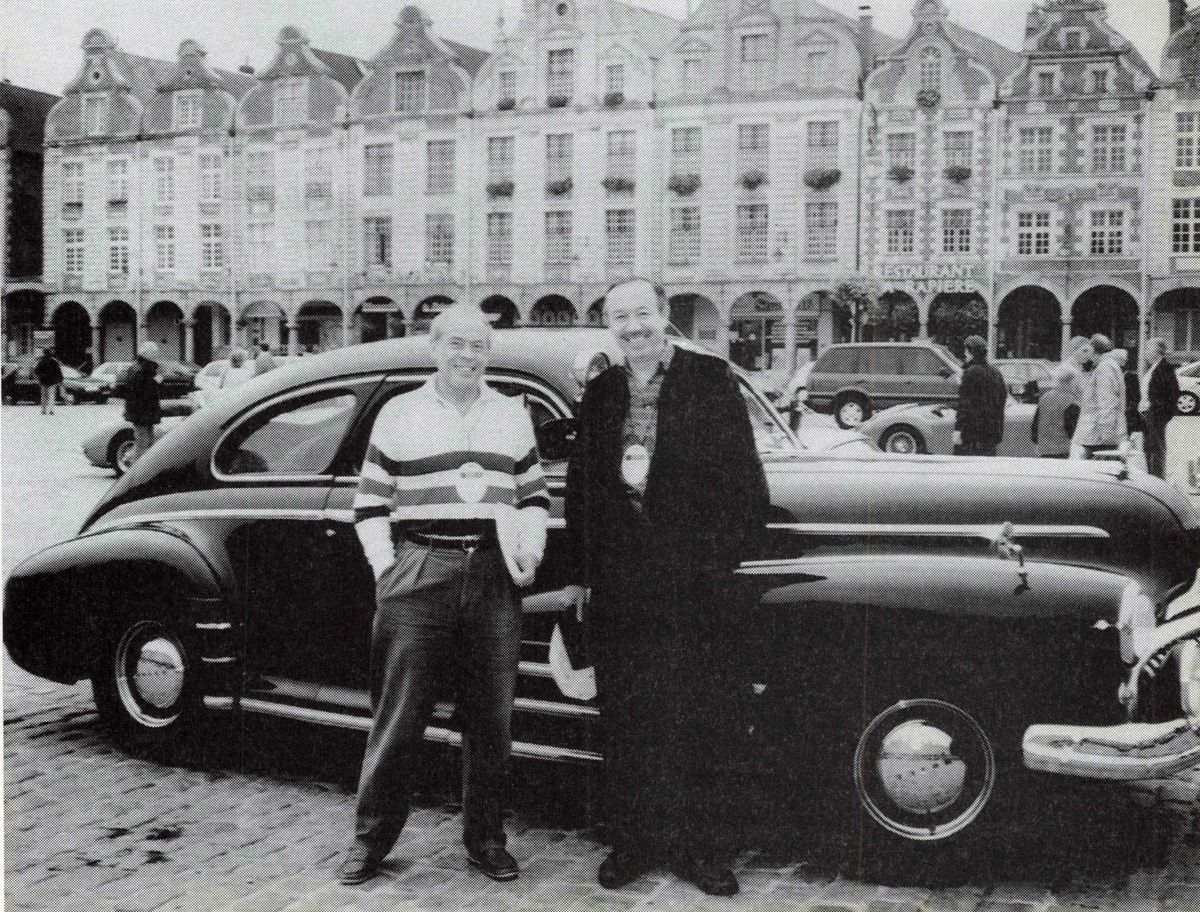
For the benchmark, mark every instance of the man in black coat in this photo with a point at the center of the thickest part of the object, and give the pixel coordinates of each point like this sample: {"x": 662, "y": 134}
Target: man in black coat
{"x": 1159, "y": 400}
{"x": 142, "y": 408}
{"x": 982, "y": 394}
{"x": 48, "y": 374}
{"x": 665, "y": 497}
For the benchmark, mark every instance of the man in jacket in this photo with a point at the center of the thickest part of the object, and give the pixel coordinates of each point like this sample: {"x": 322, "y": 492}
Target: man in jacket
{"x": 1102, "y": 411}
{"x": 665, "y": 497}
{"x": 1159, "y": 399}
{"x": 982, "y": 395}
{"x": 48, "y": 374}
{"x": 142, "y": 408}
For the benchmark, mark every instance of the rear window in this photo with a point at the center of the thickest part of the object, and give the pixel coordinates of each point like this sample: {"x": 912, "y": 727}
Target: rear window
{"x": 885, "y": 361}
{"x": 838, "y": 361}
{"x": 925, "y": 363}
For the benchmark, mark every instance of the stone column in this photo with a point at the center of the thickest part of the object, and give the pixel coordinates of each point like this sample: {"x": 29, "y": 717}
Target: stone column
{"x": 291, "y": 337}
{"x": 189, "y": 340}
{"x": 97, "y": 355}
{"x": 1066, "y": 337}
{"x": 924, "y": 303}
{"x": 789, "y": 336}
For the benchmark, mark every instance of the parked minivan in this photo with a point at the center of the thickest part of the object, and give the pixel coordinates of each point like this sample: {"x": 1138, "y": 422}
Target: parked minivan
{"x": 854, "y": 380}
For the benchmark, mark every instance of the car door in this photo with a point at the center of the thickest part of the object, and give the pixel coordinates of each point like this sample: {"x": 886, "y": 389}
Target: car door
{"x": 883, "y": 379}
{"x": 932, "y": 379}
{"x": 836, "y": 369}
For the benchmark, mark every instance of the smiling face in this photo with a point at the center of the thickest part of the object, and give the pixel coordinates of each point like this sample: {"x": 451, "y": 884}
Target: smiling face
{"x": 636, "y": 320}
{"x": 460, "y": 352}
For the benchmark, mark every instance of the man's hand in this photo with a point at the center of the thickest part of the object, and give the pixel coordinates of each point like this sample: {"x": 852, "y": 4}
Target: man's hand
{"x": 380, "y": 567}
{"x": 527, "y": 564}
{"x": 958, "y": 438}
{"x": 575, "y": 597}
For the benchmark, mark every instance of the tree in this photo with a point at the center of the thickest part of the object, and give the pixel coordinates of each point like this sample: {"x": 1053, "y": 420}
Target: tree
{"x": 855, "y": 297}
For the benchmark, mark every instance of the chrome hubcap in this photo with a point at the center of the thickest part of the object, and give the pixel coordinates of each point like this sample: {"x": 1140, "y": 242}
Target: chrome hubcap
{"x": 901, "y": 442}
{"x": 1186, "y": 404}
{"x": 149, "y": 670}
{"x": 125, "y": 455}
{"x": 851, "y": 414}
{"x": 924, "y": 769}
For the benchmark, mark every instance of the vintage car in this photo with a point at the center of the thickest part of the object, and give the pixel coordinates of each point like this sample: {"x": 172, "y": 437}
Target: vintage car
{"x": 1189, "y": 388}
{"x": 936, "y": 635}
{"x": 917, "y": 428}
{"x": 111, "y": 446}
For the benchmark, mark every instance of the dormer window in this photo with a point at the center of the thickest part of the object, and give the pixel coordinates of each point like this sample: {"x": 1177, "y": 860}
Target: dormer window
{"x": 560, "y": 73}
{"x": 1100, "y": 82}
{"x": 1073, "y": 40}
{"x": 755, "y": 58}
{"x": 614, "y": 79}
{"x": 816, "y": 69}
{"x": 691, "y": 75}
{"x": 95, "y": 114}
{"x": 291, "y": 97}
{"x": 507, "y": 85}
{"x": 931, "y": 70}
{"x": 410, "y": 91}
{"x": 1045, "y": 84}
{"x": 189, "y": 110}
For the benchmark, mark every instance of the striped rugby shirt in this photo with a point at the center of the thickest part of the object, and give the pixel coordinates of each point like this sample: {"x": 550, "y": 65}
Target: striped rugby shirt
{"x": 427, "y": 461}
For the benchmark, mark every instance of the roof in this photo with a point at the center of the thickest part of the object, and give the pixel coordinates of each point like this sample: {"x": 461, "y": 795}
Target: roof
{"x": 28, "y": 109}
{"x": 1002, "y": 61}
{"x": 654, "y": 31}
{"x": 345, "y": 69}
{"x": 471, "y": 58}
{"x": 884, "y": 43}
{"x": 146, "y": 74}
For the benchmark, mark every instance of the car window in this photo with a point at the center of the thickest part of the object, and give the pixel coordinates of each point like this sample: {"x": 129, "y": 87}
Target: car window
{"x": 838, "y": 361}
{"x": 925, "y": 363}
{"x": 884, "y": 360}
{"x": 299, "y": 436}
{"x": 1192, "y": 370}
{"x": 769, "y": 435}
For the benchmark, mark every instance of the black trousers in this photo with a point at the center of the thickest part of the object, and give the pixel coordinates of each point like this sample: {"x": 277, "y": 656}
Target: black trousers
{"x": 440, "y": 611}
{"x": 1155, "y": 443}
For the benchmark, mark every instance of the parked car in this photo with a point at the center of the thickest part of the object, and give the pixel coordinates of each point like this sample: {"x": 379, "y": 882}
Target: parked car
{"x": 207, "y": 381}
{"x": 77, "y": 387}
{"x": 855, "y": 380}
{"x": 932, "y": 635}
{"x": 111, "y": 445}
{"x": 1189, "y": 388}
{"x": 1027, "y": 378}
{"x": 912, "y": 428}
{"x": 18, "y": 384}
{"x": 175, "y": 378}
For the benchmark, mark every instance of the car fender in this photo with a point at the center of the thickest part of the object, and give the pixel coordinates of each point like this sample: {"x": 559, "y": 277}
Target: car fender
{"x": 58, "y": 601}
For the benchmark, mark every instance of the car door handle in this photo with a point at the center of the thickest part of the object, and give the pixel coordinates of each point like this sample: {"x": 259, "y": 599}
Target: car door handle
{"x": 330, "y": 532}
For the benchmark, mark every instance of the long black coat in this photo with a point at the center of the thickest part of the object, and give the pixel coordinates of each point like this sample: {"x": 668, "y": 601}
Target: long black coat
{"x": 981, "y": 399}
{"x": 141, "y": 394}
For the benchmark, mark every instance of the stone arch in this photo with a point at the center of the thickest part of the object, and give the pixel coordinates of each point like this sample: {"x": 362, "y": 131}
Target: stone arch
{"x": 1029, "y": 324}
{"x": 895, "y": 318}
{"x": 429, "y": 308}
{"x": 379, "y": 317}
{"x": 318, "y": 326}
{"x": 118, "y": 332}
{"x": 1177, "y": 319}
{"x": 1111, "y": 310}
{"x": 24, "y": 312}
{"x": 72, "y": 333}
{"x": 261, "y": 321}
{"x": 212, "y": 331}
{"x": 954, "y": 316}
{"x": 695, "y": 316}
{"x": 501, "y": 311}
{"x": 164, "y": 327}
{"x": 553, "y": 310}
{"x": 756, "y": 334}
{"x": 595, "y": 313}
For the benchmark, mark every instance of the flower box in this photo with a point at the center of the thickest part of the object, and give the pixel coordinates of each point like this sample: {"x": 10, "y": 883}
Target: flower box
{"x": 754, "y": 178}
{"x": 959, "y": 174}
{"x": 559, "y": 187}
{"x": 901, "y": 174}
{"x": 618, "y": 184}
{"x": 558, "y": 101}
{"x": 683, "y": 184}
{"x": 500, "y": 188}
{"x": 506, "y": 104}
{"x": 928, "y": 98}
{"x": 614, "y": 99}
{"x": 822, "y": 178}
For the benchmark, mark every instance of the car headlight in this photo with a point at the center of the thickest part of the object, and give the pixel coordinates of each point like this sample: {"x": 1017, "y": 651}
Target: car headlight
{"x": 1136, "y": 623}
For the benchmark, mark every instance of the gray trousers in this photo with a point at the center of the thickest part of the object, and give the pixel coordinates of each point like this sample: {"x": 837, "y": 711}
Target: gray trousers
{"x": 442, "y": 615}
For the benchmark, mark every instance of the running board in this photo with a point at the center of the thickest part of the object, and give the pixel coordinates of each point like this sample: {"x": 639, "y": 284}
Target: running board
{"x": 436, "y": 734}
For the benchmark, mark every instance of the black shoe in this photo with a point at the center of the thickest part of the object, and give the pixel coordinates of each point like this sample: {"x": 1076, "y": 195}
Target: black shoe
{"x": 621, "y": 868}
{"x": 360, "y": 864}
{"x": 495, "y": 862}
{"x": 711, "y": 877}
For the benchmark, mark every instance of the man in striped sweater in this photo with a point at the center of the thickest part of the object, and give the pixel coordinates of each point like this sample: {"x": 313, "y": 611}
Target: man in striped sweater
{"x": 442, "y": 462}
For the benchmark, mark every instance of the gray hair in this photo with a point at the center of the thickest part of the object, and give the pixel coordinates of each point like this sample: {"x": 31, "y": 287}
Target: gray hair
{"x": 459, "y": 313}
{"x": 660, "y": 293}
{"x": 1102, "y": 344}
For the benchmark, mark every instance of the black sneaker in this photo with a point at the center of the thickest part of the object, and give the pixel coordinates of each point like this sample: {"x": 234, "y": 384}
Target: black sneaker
{"x": 711, "y": 877}
{"x": 360, "y": 864}
{"x": 621, "y": 868}
{"x": 495, "y": 862}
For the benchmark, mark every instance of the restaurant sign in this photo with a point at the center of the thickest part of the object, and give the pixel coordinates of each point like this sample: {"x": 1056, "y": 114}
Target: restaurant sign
{"x": 932, "y": 278}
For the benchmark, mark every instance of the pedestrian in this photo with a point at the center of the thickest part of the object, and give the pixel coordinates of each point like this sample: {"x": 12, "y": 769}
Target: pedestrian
{"x": 445, "y": 461}
{"x": 1055, "y": 417}
{"x": 665, "y": 497}
{"x": 982, "y": 395}
{"x": 48, "y": 373}
{"x": 142, "y": 405}
{"x": 264, "y": 361}
{"x": 1159, "y": 398}
{"x": 238, "y": 371}
{"x": 1102, "y": 409}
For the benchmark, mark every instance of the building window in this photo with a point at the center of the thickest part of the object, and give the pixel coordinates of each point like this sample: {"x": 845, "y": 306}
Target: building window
{"x": 558, "y": 237}
{"x": 900, "y": 230}
{"x": 118, "y": 180}
{"x": 1033, "y": 233}
{"x": 439, "y": 176}
{"x": 72, "y": 183}
{"x": 691, "y": 71}
{"x": 73, "y": 251}
{"x": 377, "y": 170}
{"x": 1100, "y": 82}
{"x": 821, "y": 225}
{"x": 931, "y": 70}
{"x": 1034, "y": 152}
{"x": 755, "y": 57}
{"x": 410, "y": 91}
{"x": 1073, "y": 39}
{"x": 619, "y": 233}
{"x": 378, "y": 239}
{"x": 752, "y": 227}
{"x": 558, "y": 156}
{"x": 507, "y": 85}
{"x": 164, "y": 180}
{"x": 956, "y": 231}
{"x": 1108, "y": 149}
{"x": 260, "y": 177}
{"x": 685, "y": 234}
{"x": 622, "y": 153}
{"x": 1185, "y": 226}
{"x": 823, "y": 144}
{"x": 1045, "y": 83}
{"x": 753, "y": 145}
{"x": 189, "y": 110}
{"x": 560, "y": 73}
{"x": 686, "y": 145}
{"x": 260, "y": 246}
{"x": 614, "y": 78}
{"x": 959, "y": 149}
{"x": 95, "y": 114}
{"x": 500, "y": 158}
{"x": 816, "y": 69}
{"x": 1108, "y": 233}
{"x": 164, "y": 248}
{"x": 439, "y": 238}
{"x": 211, "y": 168}
{"x": 1187, "y": 329}
{"x": 118, "y": 250}
{"x": 902, "y": 150}
{"x": 1186, "y": 128}
{"x": 291, "y": 101}
{"x": 318, "y": 178}
{"x": 318, "y": 243}
{"x": 499, "y": 238}
{"x": 212, "y": 249}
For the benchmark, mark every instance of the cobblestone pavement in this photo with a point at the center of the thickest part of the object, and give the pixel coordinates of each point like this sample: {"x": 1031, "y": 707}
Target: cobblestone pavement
{"x": 253, "y": 829}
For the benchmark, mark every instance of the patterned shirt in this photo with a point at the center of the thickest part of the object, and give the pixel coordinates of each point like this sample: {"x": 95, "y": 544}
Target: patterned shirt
{"x": 641, "y": 423}
{"x": 427, "y": 461}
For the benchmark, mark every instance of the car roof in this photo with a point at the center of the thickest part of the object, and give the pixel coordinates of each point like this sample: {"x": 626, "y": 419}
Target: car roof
{"x": 913, "y": 344}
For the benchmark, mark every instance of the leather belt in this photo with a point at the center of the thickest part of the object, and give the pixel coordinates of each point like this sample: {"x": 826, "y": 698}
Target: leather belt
{"x": 452, "y": 542}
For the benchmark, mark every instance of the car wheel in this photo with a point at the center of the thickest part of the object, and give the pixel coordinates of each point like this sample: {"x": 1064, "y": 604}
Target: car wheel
{"x": 851, "y": 410}
{"x": 143, "y": 686}
{"x": 902, "y": 439}
{"x": 122, "y": 453}
{"x": 1186, "y": 404}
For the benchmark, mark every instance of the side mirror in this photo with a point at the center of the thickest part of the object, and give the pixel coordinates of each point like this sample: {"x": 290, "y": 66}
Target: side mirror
{"x": 556, "y": 439}
{"x": 945, "y": 373}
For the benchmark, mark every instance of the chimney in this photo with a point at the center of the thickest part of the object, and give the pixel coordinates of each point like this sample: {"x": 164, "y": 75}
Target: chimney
{"x": 1177, "y": 14}
{"x": 866, "y": 39}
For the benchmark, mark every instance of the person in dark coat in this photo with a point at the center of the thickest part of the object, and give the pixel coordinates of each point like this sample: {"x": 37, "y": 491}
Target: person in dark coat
{"x": 48, "y": 374}
{"x": 665, "y": 497}
{"x": 1158, "y": 403}
{"x": 142, "y": 408}
{"x": 982, "y": 394}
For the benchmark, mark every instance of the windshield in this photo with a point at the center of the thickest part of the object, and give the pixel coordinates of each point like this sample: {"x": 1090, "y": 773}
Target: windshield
{"x": 770, "y": 433}
{"x": 949, "y": 354}
{"x": 1192, "y": 370}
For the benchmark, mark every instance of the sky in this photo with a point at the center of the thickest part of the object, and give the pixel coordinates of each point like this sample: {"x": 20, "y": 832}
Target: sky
{"x": 39, "y": 39}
